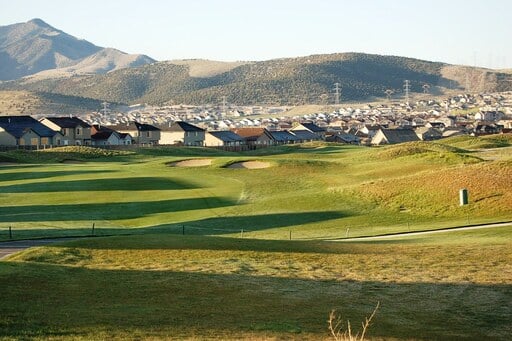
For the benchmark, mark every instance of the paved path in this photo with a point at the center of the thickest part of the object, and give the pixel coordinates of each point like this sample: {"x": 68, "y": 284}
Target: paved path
{"x": 419, "y": 233}
{"x": 8, "y": 248}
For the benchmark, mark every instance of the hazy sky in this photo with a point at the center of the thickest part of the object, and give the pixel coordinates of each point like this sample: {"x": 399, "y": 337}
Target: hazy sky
{"x": 454, "y": 31}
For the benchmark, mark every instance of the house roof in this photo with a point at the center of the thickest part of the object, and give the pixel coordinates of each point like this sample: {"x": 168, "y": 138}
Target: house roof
{"x": 313, "y": 127}
{"x": 68, "y": 122}
{"x": 226, "y": 136}
{"x": 19, "y": 125}
{"x": 182, "y": 126}
{"x": 145, "y": 127}
{"x": 102, "y": 135}
{"x": 400, "y": 135}
{"x": 251, "y": 133}
{"x": 283, "y": 136}
{"x": 305, "y": 135}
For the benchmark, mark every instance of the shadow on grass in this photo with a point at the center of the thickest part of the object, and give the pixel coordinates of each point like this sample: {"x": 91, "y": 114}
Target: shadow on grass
{"x": 42, "y": 175}
{"x": 46, "y": 300}
{"x": 114, "y": 184}
{"x": 230, "y": 224}
{"x": 107, "y": 211}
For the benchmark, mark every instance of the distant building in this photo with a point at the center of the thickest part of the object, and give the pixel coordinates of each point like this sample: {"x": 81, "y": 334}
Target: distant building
{"x": 312, "y": 128}
{"x": 25, "y": 131}
{"x": 223, "y": 139}
{"x": 74, "y": 131}
{"x": 141, "y": 133}
{"x": 182, "y": 133}
{"x": 393, "y": 136}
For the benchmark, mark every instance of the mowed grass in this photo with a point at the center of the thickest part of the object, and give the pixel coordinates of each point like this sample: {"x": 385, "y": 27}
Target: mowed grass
{"x": 310, "y": 191}
{"x": 457, "y": 285}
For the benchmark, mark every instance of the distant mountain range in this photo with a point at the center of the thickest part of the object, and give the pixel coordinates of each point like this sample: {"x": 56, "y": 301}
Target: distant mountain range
{"x": 35, "y": 47}
{"x": 88, "y": 71}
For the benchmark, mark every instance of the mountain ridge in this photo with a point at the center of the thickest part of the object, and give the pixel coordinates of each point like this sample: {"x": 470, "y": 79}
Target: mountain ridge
{"x": 34, "y": 46}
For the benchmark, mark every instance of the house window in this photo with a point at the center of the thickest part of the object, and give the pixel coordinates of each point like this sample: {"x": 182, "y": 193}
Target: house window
{"x": 44, "y": 140}
{"x": 148, "y": 134}
{"x": 78, "y": 131}
{"x": 196, "y": 134}
{"x": 34, "y": 141}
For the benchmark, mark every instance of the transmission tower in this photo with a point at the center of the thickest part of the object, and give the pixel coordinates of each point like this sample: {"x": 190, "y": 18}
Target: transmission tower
{"x": 407, "y": 88}
{"x": 426, "y": 88}
{"x": 224, "y": 104}
{"x": 337, "y": 93}
{"x": 106, "y": 110}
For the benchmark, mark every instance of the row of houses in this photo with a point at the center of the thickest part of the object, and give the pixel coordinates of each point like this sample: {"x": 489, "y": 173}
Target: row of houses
{"x": 63, "y": 131}
{"x": 66, "y": 131}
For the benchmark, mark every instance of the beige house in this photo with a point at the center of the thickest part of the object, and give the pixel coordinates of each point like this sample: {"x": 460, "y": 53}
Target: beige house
{"x": 183, "y": 133}
{"x": 25, "y": 131}
{"x": 140, "y": 133}
{"x": 74, "y": 131}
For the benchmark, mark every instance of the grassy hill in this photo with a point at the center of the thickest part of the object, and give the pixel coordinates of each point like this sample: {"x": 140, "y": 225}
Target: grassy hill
{"x": 295, "y": 81}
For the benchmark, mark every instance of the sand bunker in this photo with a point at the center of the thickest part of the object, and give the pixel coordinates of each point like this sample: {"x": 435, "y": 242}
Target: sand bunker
{"x": 250, "y": 165}
{"x": 191, "y": 163}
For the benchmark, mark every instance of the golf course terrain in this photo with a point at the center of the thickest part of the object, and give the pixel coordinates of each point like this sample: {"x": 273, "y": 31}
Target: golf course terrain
{"x": 195, "y": 243}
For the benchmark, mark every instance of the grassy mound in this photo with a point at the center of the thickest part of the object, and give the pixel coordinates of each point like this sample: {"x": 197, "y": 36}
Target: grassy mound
{"x": 63, "y": 154}
{"x": 479, "y": 142}
{"x": 429, "y": 150}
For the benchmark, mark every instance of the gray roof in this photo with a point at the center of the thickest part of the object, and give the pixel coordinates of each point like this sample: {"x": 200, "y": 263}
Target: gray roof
{"x": 19, "y": 125}
{"x": 68, "y": 122}
{"x": 182, "y": 126}
{"x": 400, "y": 135}
{"x": 313, "y": 127}
{"x": 283, "y": 136}
{"x": 305, "y": 135}
{"x": 227, "y": 136}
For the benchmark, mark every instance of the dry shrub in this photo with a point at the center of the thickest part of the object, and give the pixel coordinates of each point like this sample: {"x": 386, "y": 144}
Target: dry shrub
{"x": 342, "y": 332}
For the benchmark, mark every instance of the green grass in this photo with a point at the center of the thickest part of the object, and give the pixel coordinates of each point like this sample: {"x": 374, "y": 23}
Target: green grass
{"x": 196, "y": 287}
{"x": 313, "y": 191}
{"x": 210, "y": 283}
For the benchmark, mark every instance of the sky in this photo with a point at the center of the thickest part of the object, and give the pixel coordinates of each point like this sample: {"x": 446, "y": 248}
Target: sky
{"x": 469, "y": 32}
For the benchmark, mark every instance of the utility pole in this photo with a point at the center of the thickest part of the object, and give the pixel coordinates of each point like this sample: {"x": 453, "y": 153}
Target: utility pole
{"x": 337, "y": 93}
{"x": 407, "y": 88}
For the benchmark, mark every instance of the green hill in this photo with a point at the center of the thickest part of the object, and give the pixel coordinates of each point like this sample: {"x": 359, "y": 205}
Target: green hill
{"x": 290, "y": 81}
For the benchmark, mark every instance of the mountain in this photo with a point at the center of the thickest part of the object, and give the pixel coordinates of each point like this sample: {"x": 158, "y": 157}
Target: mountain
{"x": 287, "y": 81}
{"x": 31, "y": 47}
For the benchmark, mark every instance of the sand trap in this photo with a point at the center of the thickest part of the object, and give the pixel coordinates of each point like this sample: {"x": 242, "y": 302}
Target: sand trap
{"x": 191, "y": 163}
{"x": 250, "y": 165}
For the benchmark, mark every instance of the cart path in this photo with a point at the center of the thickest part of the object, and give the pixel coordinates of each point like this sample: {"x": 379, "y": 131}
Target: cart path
{"x": 8, "y": 248}
{"x": 420, "y": 233}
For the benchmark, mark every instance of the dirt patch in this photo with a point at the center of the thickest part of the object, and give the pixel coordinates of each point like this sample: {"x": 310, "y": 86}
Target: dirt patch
{"x": 191, "y": 163}
{"x": 250, "y": 165}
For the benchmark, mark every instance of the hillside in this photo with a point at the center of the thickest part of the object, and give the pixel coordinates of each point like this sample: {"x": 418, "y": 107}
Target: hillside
{"x": 289, "y": 81}
{"x": 34, "y": 103}
{"x": 34, "y": 46}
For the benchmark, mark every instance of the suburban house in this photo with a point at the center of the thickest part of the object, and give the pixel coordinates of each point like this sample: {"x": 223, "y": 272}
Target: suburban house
{"x": 223, "y": 139}
{"x": 393, "y": 136}
{"x": 104, "y": 136}
{"x": 255, "y": 136}
{"x": 25, "y": 131}
{"x": 312, "y": 128}
{"x": 342, "y": 137}
{"x": 305, "y": 136}
{"x": 429, "y": 134}
{"x": 182, "y": 133}
{"x": 141, "y": 133}
{"x": 74, "y": 131}
{"x": 283, "y": 137}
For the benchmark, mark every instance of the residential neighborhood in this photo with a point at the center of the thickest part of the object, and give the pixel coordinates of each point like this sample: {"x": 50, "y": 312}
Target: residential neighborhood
{"x": 255, "y": 127}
